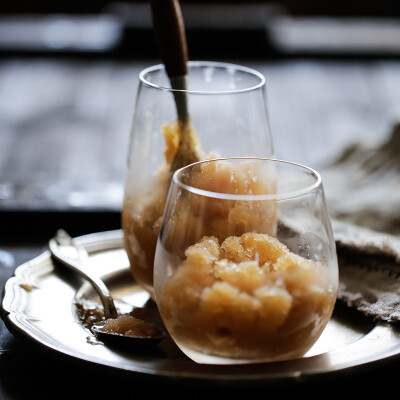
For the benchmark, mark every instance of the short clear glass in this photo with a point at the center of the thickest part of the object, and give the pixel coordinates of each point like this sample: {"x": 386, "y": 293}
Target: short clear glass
{"x": 228, "y": 109}
{"x": 245, "y": 268}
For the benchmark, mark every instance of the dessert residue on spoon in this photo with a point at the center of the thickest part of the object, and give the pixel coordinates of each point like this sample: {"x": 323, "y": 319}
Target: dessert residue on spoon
{"x": 131, "y": 325}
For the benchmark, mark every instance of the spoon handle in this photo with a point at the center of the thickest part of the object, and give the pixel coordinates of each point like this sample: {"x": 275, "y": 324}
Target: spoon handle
{"x": 170, "y": 35}
{"x": 64, "y": 251}
{"x": 171, "y": 39}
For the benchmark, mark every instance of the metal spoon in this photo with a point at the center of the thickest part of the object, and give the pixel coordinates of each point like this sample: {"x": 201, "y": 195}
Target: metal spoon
{"x": 74, "y": 257}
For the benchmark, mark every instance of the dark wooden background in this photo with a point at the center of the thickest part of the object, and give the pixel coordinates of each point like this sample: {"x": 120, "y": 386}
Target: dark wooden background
{"x": 65, "y": 124}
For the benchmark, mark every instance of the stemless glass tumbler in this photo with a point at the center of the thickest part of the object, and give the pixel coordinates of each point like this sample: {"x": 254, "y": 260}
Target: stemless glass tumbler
{"x": 246, "y": 267}
{"x": 228, "y": 115}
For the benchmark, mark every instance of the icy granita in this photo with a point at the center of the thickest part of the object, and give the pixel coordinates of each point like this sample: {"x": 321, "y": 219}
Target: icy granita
{"x": 195, "y": 216}
{"x": 142, "y": 215}
{"x": 246, "y": 297}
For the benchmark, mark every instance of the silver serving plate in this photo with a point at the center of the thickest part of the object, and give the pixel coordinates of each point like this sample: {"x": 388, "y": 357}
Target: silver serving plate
{"x": 39, "y": 303}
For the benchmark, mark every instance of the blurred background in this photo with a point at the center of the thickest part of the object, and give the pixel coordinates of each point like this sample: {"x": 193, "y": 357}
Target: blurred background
{"x": 69, "y": 73}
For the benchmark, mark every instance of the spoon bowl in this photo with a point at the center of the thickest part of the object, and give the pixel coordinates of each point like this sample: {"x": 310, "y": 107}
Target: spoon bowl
{"x": 74, "y": 257}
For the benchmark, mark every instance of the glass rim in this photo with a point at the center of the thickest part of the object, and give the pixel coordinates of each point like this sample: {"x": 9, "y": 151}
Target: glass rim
{"x": 218, "y": 64}
{"x": 250, "y": 197}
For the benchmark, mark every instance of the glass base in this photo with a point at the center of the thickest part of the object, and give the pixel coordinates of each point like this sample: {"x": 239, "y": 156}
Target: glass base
{"x": 202, "y": 358}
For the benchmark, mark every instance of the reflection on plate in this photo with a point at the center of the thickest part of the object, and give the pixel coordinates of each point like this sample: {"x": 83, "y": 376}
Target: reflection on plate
{"x": 39, "y": 303}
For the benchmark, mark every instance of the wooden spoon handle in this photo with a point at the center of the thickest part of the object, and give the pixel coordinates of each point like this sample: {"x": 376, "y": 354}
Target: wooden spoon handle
{"x": 170, "y": 36}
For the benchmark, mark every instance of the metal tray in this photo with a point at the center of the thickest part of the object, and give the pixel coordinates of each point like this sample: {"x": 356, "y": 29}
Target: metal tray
{"x": 39, "y": 303}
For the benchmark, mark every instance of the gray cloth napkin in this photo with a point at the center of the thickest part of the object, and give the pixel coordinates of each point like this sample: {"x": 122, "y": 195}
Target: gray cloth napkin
{"x": 369, "y": 271}
{"x": 362, "y": 188}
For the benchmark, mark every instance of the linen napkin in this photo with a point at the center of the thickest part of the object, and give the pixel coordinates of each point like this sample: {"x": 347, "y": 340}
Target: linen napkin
{"x": 362, "y": 188}
{"x": 369, "y": 270}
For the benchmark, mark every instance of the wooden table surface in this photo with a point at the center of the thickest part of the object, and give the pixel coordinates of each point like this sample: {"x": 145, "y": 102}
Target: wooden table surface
{"x": 64, "y": 130}
{"x": 64, "y": 125}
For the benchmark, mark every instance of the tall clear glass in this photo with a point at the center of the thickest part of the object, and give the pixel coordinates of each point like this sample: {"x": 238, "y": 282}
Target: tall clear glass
{"x": 228, "y": 109}
{"x": 246, "y": 267}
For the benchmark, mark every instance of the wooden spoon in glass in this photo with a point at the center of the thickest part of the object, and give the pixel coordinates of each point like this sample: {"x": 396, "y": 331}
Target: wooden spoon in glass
{"x": 171, "y": 39}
